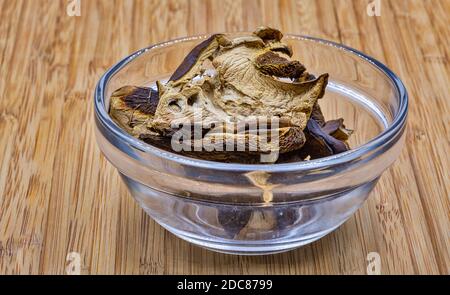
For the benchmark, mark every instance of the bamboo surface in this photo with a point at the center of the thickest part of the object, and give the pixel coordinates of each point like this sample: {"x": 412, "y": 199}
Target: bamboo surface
{"x": 58, "y": 194}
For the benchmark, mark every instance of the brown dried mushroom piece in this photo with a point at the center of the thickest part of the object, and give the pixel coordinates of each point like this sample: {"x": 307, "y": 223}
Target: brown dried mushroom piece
{"x": 193, "y": 62}
{"x": 336, "y": 128}
{"x": 268, "y": 34}
{"x": 270, "y": 63}
{"x": 323, "y": 139}
{"x": 133, "y": 107}
{"x": 233, "y": 219}
{"x": 239, "y": 220}
{"x": 337, "y": 146}
{"x": 272, "y": 39}
{"x": 326, "y": 140}
{"x": 286, "y": 216}
{"x": 245, "y": 89}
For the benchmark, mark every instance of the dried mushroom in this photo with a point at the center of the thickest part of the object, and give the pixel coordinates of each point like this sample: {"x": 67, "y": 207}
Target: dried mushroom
{"x": 240, "y": 220}
{"x": 233, "y": 219}
{"x": 132, "y": 107}
{"x": 247, "y": 91}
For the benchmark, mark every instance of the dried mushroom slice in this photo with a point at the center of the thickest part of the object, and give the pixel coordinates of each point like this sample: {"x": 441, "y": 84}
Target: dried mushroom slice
{"x": 323, "y": 138}
{"x": 317, "y": 114}
{"x": 272, "y": 39}
{"x": 336, "y": 128}
{"x": 233, "y": 219}
{"x": 321, "y": 144}
{"x": 248, "y": 41}
{"x": 192, "y": 63}
{"x": 189, "y": 103}
{"x": 246, "y": 89}
{"x": 286, "y": 217}
{"x": 272, "y": 64}
{"x": 258, "y": 137}
{"x": 280, "y": 48}
{"x": 165, "y": 143}
{"x": 321, "y": 141}
{"x": 268, "y": 34}
{"x": 316, "y": 147}
{"x": 225, "y": 157}
{"x": 133, "y": 107}
{"x": 238, "y": 220}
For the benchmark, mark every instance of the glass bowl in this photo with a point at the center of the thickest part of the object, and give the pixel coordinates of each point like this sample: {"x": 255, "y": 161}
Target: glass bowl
{"x": 217, "y": 205}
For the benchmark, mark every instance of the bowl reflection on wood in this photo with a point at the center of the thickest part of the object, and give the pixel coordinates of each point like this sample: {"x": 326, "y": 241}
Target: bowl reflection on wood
{"x": 216, "y": 205}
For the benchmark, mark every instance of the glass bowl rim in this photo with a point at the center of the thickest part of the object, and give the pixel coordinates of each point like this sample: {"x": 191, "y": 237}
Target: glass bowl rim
{"x": 382, "y": 138}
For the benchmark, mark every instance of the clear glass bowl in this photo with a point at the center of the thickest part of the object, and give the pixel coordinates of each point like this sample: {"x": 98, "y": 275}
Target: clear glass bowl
{"x": 216, "y": 205}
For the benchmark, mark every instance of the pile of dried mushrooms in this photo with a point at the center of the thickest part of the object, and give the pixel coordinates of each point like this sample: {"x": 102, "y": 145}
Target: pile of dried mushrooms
{"x": 235, "y": 80}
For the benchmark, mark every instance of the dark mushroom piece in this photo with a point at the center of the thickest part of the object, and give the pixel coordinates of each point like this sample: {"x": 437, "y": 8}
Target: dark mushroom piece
{"x": 337, "y": 146}
{"x": 271, "y": 63}
{"x": 336, "y": 128}
{"x": 272, "y": 38}
{"x": 191, "y": 64}
{"x": 268, "y": 34}
{"x": 286, "y": 216}
{"x": 233, "y": 219}
{"x": 132, "y": 107}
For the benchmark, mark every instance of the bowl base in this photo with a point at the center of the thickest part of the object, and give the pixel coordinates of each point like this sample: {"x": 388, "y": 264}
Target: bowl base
{"x": 249, "y": 249}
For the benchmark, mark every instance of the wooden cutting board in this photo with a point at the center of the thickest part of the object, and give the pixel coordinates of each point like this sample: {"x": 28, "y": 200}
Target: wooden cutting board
{"x": 58, "y": 194}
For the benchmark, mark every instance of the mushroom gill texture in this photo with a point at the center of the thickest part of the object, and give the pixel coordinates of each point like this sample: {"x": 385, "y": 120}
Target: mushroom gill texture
{"x": 223, "y": 83}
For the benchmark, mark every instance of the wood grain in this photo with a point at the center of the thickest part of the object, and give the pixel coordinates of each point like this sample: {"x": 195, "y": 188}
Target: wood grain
{"x": 58, "y": 194}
